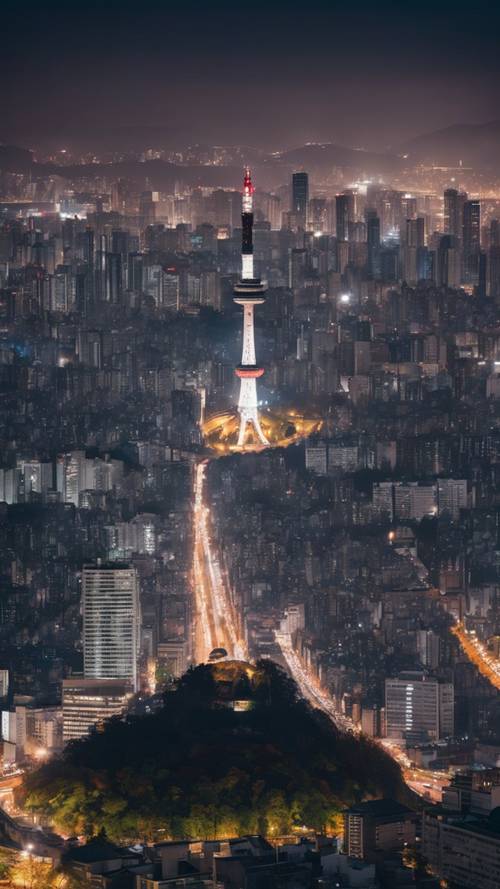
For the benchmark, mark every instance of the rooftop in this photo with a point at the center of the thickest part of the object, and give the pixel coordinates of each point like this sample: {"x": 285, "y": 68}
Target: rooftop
{"x": 380, "y": 808}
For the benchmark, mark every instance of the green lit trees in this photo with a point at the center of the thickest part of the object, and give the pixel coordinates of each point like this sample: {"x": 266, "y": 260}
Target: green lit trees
{"x": 200, "y": 769}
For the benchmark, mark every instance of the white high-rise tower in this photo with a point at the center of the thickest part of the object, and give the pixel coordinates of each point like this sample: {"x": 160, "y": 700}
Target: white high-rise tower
{"x": 249, "y": 292}
{"x": 111, "y": 622}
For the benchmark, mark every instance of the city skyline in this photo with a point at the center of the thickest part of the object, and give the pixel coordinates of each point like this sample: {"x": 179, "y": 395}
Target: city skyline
{"x": 249, "y": 446}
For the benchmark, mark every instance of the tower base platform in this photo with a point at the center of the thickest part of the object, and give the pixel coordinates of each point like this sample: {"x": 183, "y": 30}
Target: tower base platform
{"x": 280, "y": 426}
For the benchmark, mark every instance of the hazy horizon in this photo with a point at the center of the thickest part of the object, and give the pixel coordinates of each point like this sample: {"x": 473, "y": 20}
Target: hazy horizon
{"x": 272, "y": 78}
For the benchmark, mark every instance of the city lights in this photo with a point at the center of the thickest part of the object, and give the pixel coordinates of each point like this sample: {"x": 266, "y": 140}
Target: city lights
{"x": 250, "y": 446}
{"x": 215, "y": 625}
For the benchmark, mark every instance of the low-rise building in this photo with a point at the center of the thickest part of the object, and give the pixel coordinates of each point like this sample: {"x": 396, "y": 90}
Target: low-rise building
{"x": 378, "y": 826}
{"x": 89, "y": 702}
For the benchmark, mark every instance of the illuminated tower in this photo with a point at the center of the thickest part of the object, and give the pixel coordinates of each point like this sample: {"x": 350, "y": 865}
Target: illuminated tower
{"x": 248, "y": 293}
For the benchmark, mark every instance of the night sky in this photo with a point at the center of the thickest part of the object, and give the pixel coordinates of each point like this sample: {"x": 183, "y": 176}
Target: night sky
{"x": 269, "y": 74}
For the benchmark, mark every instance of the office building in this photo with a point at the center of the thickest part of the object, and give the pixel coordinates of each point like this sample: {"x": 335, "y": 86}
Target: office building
{"x": 110, "y": 595}
{"x": 344, "y": 206}
{"x": 373, "y": 242}
{"x": 418, "y": 706}
{"x": 453, "y": 212}
{"x": 448, "y": 270}
{"x": 89, "y": 702}
{"x": 471, "y": 241}
{"x": 300, "y": 198}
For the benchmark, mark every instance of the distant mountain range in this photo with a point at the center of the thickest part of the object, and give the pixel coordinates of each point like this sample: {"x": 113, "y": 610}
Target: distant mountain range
{"x": 270, "y": 170}
{"x": 14, "y": 159}
{"x": 476, "y": 145}
{"x": 321, "y": 156}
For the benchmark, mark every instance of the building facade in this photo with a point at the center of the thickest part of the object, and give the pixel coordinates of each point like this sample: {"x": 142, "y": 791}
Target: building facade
{"x": 111, "y": 622}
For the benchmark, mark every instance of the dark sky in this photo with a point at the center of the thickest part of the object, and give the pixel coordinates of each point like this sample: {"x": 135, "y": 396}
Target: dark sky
{"x": 270, "y": 74}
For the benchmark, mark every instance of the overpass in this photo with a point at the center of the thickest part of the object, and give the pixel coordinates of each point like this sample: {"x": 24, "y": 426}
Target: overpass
{"x": 18, "y": 837}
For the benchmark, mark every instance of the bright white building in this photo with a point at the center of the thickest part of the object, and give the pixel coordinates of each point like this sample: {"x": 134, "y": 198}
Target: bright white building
{"x": 111, "y": 622}
{"x": 418, "y": 705}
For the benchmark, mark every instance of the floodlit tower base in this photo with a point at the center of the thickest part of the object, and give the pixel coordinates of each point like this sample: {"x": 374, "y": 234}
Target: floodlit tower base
{"x": 248, "y": 411}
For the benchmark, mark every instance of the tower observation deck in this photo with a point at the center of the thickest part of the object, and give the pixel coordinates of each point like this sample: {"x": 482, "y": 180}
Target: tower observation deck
{"x": 248, "y": 293}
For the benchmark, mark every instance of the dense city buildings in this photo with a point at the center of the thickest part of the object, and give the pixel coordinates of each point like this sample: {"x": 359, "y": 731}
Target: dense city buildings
{"x": 348, "y": 557}
{"x": 249, "y": 434}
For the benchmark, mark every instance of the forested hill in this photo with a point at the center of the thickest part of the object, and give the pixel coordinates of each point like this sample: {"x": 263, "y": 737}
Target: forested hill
{"x": 201, "y": 768}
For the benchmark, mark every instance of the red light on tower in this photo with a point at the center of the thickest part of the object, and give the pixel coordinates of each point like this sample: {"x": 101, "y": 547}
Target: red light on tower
{"x": 247, "y": 182}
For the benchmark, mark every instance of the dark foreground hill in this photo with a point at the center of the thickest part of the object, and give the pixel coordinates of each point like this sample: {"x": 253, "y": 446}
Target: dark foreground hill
{"x": 200, "y": 768}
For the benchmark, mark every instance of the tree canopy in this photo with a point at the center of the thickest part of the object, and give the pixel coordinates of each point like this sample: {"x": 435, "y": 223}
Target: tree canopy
{"x": 200, "y": 768}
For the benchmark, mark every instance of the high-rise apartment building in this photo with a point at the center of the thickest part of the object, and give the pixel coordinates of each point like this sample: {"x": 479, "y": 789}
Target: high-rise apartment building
{"x": 428, "y": 648}
{"x": 344, "y": 206}
{"x": 415, "y": 232}
{"x": 452, "y": 496}
{"x": 405, "y": 501}
{"x": 76, "y": 473}
{"x": 373, "y": 242}
{"x": 448, "y": 272}
{"x": 113, "y": 277}
{"x": 110, "y": 622}
{"x": 453, "y": 212}
{"x": 414, "y": 501}
{"x": 471, "y": 241}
